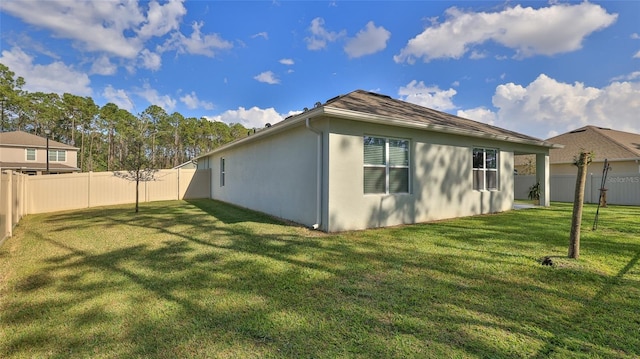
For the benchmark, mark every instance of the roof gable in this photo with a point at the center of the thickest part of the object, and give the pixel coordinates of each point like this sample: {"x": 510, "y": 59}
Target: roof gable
{"x": 604, "y": 142}
{"x": 24, "y": 139}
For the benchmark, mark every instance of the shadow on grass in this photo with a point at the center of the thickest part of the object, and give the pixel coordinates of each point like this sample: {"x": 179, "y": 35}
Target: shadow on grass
{"x": 206, "y": 279}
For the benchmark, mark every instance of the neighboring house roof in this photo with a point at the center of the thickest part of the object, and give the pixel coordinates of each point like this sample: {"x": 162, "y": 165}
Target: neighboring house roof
{"x": 370, "y": 107}
{"x": 24, "y": 139}
{"x": 604, "y": 142}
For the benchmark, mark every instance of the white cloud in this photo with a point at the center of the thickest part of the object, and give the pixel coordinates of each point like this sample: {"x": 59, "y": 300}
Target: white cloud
{"x": 477, "y": 55}
{"x": 196, "y": 44}
{"x": 427, "y": 96}
{"x": 118, "y": 28}
{"x": 154, "y": 98}
{"x": 291, "y": 113}
{"x": 480, "y": 114}
{"x": 635, "y": 36}
{"x": 367, "y": 41}
{"x": 546, "y": 107}
{"x": 92, "y": 25}
{"x": 192, "y": 102}
{"x": 263, "y": 35}
{"x": 103, "y": 66}
{"x": 267, "y": 77}
{"x": 528, "y": 31}
{"x": 637, "y": 55}
{"x": 162, "y": 19}
{"x": 320, "y": 36}
{"x": 118, "y": 97}
{"x": 628, "y": 77}
{"x": 252, "y": 118}
{"x": 150, "y": 60}
{"x": 287, "y": 62}
{"x": 55, "y": 77}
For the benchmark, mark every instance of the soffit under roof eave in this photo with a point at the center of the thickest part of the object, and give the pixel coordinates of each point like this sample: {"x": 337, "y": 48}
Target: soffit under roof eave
{"x": 386, "y": 120}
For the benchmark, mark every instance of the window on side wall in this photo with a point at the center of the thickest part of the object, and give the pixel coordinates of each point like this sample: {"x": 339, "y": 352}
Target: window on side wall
{"x": 386, "y": 165}
{"x": 222, "y": 171}
{"x": 31, "y": 154}
{"x": 57, "y": 156}
{"x": 485, "y": 169}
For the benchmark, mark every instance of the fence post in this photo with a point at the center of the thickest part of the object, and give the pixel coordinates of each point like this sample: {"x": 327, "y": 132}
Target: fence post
{"x": 89, "y": 178}
{"x": 178, "y": 186}
{"x": 8, "y": 218}
{"x": 20, "y": 189}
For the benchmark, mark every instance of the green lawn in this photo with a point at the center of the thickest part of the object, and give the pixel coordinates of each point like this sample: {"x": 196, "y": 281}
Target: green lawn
{"x": 202, "y": 279}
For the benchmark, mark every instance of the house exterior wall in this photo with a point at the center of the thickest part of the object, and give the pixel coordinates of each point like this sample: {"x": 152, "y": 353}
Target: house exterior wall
{"x": 19, "y": 154}
{"x": 276, "y": 175}
{"x": 441, "y": 183}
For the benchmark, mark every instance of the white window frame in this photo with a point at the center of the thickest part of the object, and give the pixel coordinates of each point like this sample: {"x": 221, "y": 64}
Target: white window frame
{"x": 483, "y": 172}
{"x": 35, "y": 154}
{"x": 58, "y": 156}
{"x": 388, "y": 166}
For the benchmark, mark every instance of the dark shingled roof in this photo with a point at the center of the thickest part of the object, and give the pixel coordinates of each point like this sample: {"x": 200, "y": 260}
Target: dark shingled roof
{"x": 382, "y": 105}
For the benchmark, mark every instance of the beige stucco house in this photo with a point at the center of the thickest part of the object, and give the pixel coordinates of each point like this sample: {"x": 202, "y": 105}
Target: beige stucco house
{"x": 365, "y": 160}
{"x": 26, "y": 153}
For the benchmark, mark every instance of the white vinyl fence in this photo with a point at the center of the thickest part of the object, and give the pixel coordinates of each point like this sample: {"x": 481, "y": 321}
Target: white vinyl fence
{"x": 12, "y": 207}
{"x": 622, "y": 188}
{"x": 22, "y": 194}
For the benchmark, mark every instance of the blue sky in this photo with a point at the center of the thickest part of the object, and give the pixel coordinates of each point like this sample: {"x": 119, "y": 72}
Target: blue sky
{"x": 539, "y": 68}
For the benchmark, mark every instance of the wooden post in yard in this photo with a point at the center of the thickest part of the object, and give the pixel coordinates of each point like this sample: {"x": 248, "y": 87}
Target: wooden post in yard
{"x": 578, "y": 202}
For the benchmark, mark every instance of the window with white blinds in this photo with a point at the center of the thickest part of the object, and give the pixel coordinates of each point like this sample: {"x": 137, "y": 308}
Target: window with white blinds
{"x": 57, "y": 155}
{"x": 386, "y": 165}
{"x": 31, "y": 154}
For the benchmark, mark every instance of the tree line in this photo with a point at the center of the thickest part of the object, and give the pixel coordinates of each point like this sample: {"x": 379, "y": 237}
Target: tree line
{"x": 110, "y": 138}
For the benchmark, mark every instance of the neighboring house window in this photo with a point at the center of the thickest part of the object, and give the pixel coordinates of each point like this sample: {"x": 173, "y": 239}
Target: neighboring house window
{"x": 485, "y": 169}
{"x": 222, "y": 171}
{"x": 386, "y": 165}
{"x": 57, "y": 156}
{"x": 31, "y": 154}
